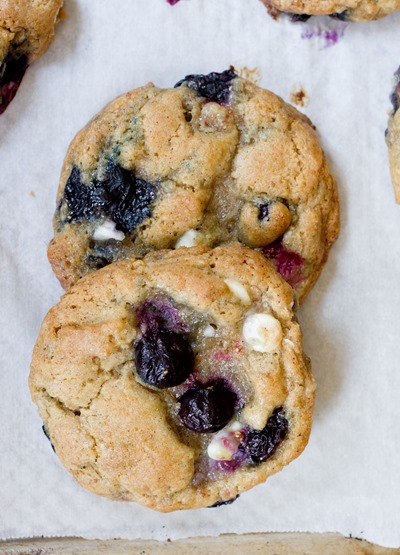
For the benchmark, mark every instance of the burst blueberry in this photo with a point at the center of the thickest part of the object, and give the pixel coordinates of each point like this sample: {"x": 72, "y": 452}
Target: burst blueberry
{"x": 160, "y": 312}
{"x": 214, "y": 86}
{"x": 288, "y": 263}
{"x": 260, "y": 445}
{"x": 120, "y": 196}
{"x": 12, "y": 70}
{"x": 263, "y": 211}
{"x": 208, "y": 408}
{"x": 163, "y": 358}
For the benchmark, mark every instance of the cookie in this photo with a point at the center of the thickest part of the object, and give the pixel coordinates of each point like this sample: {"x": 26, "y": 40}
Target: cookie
{"x": 178, "y": 380}
{"x": 26, "y": 31}
{"x": 214, "y": 161}
{"x": 393, "y": 137}
{"x": 354, "y": 10}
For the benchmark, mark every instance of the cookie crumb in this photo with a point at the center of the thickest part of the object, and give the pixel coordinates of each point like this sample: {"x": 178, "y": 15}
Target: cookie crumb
{"x": 253, "y": 75}
{"x": 32, "y": 194}
{"x": 299, "y": 97}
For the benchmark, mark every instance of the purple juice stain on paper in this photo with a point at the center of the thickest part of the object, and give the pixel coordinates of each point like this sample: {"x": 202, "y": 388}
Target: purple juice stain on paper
{"x": 330, "y": 36}
{"x": 172, "y": 2}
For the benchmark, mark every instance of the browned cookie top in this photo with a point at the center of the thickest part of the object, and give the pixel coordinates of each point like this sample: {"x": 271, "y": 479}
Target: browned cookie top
{"x": 215, "y": 160}
{"x": 176, "y": 381}
{"x": 26, "y": 30}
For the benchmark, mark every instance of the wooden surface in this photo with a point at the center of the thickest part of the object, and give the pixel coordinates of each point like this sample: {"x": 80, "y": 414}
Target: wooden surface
{"x": 250, "y": 544}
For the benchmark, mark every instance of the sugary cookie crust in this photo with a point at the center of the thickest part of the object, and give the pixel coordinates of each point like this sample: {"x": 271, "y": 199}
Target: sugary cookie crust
{"x": 123, "y": 439}
{"x": 212, "y": 165}
{"x": 356, "y": 10}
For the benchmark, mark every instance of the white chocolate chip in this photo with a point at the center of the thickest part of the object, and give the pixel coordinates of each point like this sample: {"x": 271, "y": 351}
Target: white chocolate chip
{"x": 262, "y": 332}
{"x": 108, "y": 230}
{"x": 225, "y": 443}
{"x": 209, "y": 331}
{"x": 238, "y": 290}
{"x": 189, "y": 239}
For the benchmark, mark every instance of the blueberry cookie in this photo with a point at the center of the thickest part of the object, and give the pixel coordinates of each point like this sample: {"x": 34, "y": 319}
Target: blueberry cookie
{"x": 354, "y": 10}
{"x": 393, "y": 137}
{"x": 213, "y": 161}
{"x": 178, "y": 380}
{"x": 26, "y": 30}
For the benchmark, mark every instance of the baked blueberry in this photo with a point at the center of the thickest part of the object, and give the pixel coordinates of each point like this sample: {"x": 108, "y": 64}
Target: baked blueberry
{"x": 289, "y": 264}
{"x": 208, "y": 408}
{"x": 163, "y": 358}
{"x": 214, "y": 86}
{"x": 26, "y": 31}
{"x": 261, "y": 444}
{"x": 263, "y": 211}
{"x": 120, "y": 196}
{"x": 12, "y": 70}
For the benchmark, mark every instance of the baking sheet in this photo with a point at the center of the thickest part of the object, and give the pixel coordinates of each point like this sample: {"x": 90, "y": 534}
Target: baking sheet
{"x": 347, "y": 480}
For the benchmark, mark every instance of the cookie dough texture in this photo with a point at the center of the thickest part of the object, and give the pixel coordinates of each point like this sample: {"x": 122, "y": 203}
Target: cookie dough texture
{"x": 213, "y": 166}
{"x": 122, "y": 439}
{"x": 393, "y": 138}
{"x": 27, "y": 26}
{"x": 355, "y": 10}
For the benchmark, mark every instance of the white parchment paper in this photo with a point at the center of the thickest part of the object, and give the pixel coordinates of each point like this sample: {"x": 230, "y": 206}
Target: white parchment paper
{"x": 348, "y": 478}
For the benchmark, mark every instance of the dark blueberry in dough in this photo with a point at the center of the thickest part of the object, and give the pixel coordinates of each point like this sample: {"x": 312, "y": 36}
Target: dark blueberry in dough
{"x": 298, "y": 18}
{"x": 395, "y": 96}
{"x": 102, "y": 254}
{"x": 78, "y": 198}
{"x": 208, "y": 408}
{"x": 261, "y": 444}
{"x": 12, "y": 70}
{"x": 220, "y": 503}
{"x": 120, "y": 196}
{"x": 46, "y": 433}
{"x": 163, "y": 358}
{"x": 263, "y": 211}
{"x": 342, "y": 16}
{"x": 130, "y": 198}
{"x": 214, "y": 86}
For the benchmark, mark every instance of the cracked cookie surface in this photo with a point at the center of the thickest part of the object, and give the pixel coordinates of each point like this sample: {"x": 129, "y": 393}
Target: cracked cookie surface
{"x": 354, "y": 10}
{"x": 393, "y": 137}
{"x": 26, "y": 30}
{"x": 215, "y": 160}
{"x": 223, "y": 401}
